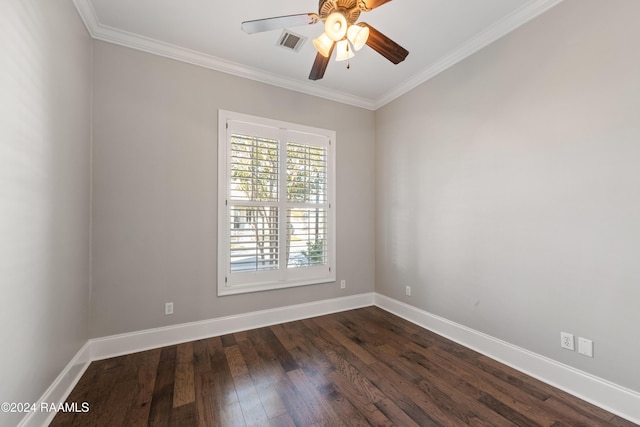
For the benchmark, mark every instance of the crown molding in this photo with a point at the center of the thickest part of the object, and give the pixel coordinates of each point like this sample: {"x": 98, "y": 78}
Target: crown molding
{"x": 134, "y": 41}
{"x": 485, "y": 38}
{"x": 88, "y": 15}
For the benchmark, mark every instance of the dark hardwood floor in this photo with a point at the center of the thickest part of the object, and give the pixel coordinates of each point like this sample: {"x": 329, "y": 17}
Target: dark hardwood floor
{"x": 361, "y": 367}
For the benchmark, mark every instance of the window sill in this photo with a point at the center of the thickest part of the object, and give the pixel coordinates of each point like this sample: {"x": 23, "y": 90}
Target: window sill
{"x": 245, "y": 289}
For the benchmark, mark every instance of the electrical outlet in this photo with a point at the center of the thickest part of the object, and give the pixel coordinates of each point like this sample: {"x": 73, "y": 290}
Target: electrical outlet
{"x": 407, "y": 291}
{"x": 585, "y": 347}
{"x": 168, "y": 308}
{"x": 567, "y": 341}
{"x": 343, "y": 284}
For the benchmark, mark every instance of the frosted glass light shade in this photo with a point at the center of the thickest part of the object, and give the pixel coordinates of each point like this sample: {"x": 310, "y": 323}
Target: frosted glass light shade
{"x": 335, "y": 26}
{"x": 358, "y": 36}
{"x": 323, "y": 44}
{"x": 344, "y": 51}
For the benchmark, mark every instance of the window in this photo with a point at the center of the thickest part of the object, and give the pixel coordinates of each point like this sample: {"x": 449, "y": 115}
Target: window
{"x": 276, "y": 210}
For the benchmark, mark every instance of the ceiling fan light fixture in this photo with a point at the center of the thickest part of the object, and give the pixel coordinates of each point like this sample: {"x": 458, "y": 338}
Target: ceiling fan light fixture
{"x": 341, "y": 33}
{"x": 323, "y": 44}
{"x": 335, "y": 26}
{"x": 344, "y": 51}
{"x": 358, "y": 36}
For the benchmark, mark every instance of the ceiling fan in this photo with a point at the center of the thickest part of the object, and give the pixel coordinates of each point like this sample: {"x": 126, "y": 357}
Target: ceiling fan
{"x": 340, "y": 31}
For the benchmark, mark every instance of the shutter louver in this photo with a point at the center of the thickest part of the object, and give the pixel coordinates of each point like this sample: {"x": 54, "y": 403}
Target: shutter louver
{"x": 307, "y": 187}
{"x": 307, "y": 237}
{"x": 306, "y": 173}
{"x": 276, "y": 186}
{"x": 254, "y": 221}
{"x": 254, "y": 169}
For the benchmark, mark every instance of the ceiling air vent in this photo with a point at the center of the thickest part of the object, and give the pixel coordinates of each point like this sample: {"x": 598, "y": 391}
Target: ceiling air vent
{"x": 291, "y": 41}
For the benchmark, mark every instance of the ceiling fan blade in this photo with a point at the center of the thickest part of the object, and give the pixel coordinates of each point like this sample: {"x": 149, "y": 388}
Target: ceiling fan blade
{"x": 320, "y": 64}
{"x": 385, "y": 46}
{"x": 279, "y": 22}
{"x": 367, "y": 5}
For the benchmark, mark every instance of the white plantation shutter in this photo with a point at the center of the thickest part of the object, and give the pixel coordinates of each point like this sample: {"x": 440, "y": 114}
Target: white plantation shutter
{"x": 253, "y": 202}
{"x": 276, "y": 212}
{"x": 307, "y": 169}
{"x": 308, "y": 204}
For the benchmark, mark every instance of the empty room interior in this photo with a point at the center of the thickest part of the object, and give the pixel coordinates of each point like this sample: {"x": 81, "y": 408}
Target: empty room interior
{"x": 213, "y": 213}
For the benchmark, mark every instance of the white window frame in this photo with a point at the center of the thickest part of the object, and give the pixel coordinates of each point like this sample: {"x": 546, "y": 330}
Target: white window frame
{"x": 237, "y": 283}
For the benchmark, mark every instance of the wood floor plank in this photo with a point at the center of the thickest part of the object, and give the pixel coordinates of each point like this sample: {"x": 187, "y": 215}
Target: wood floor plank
{"x": 250, "y": 403}
{"x": 184, "y": 391}
{"x": 501, "y": 396}
{"x": 228, "y": 340}
{"x": 348, "y": 338}
{"x": 571, "y": 415}
{"x": 402, "y": 397}
{"x": 283, "y": 420}
{"x": 359, "y": 400}
{"x": 227, "y": 407}
{"x": 621, "y": 422}
{"x": 263, "y": 379}
{"x": 302, "y": 413}
{"x": 321, "y": 408}
{"x": 146, "y": 378}
{"x": 513, "y": 377}
{"x": 311, "y": 359}
{"x": 280, "y": 362}
{"x": 201, "y": 359}
{"x": 318, "y": 370}
{"x": 405, "y": 395}
{"x": 162, "y": 400}
{"x": 183, "y": 416}
{"x": 344, "y": 409}
{"x": 438, "y": 402}
{"x": 270, "y": 367}
{"x": 459, "y": 397}
{"x": 98, "y": 389}
{"x": 236, "y": 362}
{"x": 231, "y": 415}
{"x": 277, "y": 349}
{"x": 116, "y": 412}
{"x": 207, "y": 413}
{"x": 395, "y": 414}
{"x": 363, "y": 367}
{"x": 80, "y": 393}
{"x": 343, "y": 362}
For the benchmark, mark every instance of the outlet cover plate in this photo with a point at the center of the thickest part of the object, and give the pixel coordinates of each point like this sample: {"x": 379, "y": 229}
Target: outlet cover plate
{"x": 567, "y": 341}
{"x": 585, "y": 347}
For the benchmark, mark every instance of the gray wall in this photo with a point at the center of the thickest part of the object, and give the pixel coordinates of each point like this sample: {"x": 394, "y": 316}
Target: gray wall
{"x": 508, "y": 188}
{"x": 504, "y": 191}
{"x": 155, "y": 189}
{"x": 45, "y": 133}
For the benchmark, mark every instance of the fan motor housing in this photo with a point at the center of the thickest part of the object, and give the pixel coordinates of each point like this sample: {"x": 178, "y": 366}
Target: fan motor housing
{"x": 349, "y": 8}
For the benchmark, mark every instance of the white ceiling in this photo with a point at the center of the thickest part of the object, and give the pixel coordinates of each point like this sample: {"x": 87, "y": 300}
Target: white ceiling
{"x": 437, "y": 33}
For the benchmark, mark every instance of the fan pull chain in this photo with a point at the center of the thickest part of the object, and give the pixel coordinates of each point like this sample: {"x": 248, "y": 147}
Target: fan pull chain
{"x": 348, "y": 60}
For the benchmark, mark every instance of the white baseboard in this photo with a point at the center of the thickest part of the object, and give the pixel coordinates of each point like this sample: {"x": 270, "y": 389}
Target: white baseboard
{"x": 116, "y": 345}
{"x": 605, "y": 394}
{"x": 602, "y": 393}
{"x": 60, "y": 389}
